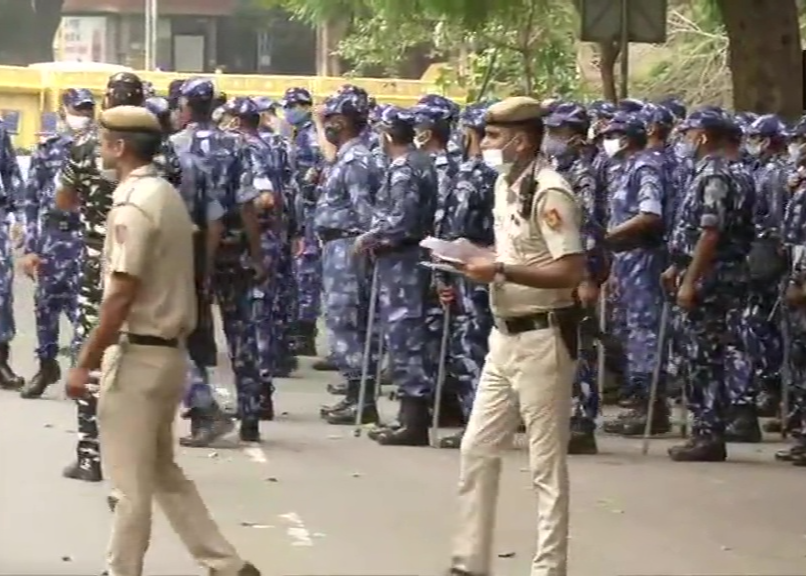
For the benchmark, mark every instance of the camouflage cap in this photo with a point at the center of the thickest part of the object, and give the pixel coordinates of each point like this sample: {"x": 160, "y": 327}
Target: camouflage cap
{"x": 514, "y": 110}
{"x": 130, "y": 119}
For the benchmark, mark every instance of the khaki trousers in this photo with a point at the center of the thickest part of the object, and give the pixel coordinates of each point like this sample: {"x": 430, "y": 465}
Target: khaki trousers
{"x": 141, "y": 388}
{"x": 528, "y": 376}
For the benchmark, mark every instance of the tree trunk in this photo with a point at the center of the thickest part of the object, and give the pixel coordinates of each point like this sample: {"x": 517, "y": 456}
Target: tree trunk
{"x": 765, "y": 55}
{"x": 608, "y": 55}
{"x": 27, "y": 30}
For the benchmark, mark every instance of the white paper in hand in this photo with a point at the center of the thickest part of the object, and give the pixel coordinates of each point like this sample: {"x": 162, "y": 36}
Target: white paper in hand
{"x": 460, "y": 251}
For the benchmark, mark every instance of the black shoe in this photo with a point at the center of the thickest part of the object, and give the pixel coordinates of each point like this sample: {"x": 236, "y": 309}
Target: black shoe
{"x": 661, "y": 421}
{"x": 453, "y": 442}
{"x": 8, "y": 379}
{"x": 206, "y": 427}
{"x": 324, "y": 366}
{"x": 325, "y": 411}
{"x": 743, "y": 425}
{"x": 700, "y": 449}
{"x": 249, "y": 431}
{"x": 339, "y": 389}
{"x": 285, "y": 366}
{"x": 266, "y": 410}
{"x": 49, "y": 373}
{"x": 583, "y": 437}
{"x": 382, "y": 429}
{"x": 795, "y": 452}
{"x": 347, "y": 415}
{"x": 84, "y": 469}
{"x": 414, "y": 420}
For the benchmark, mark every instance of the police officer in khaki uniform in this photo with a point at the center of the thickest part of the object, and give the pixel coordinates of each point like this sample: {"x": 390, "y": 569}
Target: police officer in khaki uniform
{"x": 529, "y": 371}
{"x": 148, "y": 309}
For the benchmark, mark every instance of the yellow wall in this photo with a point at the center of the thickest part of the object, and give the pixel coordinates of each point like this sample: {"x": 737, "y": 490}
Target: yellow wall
{"x": 32, "y": 92}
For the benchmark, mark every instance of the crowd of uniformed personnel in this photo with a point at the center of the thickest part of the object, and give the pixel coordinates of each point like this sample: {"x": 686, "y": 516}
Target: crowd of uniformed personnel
{"x": 695, "y": 220}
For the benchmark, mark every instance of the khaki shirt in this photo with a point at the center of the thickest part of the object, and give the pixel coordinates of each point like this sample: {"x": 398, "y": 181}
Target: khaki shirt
{"x": 150, "y": 237}
{"x": 552, "y": 231}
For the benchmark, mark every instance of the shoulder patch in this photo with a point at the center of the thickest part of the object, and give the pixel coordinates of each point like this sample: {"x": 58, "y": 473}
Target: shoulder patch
{"x": 552, "y": 218}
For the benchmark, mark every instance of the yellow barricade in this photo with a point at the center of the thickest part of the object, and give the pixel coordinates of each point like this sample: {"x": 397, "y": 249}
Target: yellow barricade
{"x": 26, "y": 93}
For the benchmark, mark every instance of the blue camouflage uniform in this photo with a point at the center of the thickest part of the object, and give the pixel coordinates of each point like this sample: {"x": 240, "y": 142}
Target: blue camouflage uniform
{"x": 469, "y": 214}
{"x": 55, "y": 236}
{"x": 772, "y": 193}
{"x": 307, "y": 169}
{"x": 343, "y": 212}
{"x": 223, "y": 157}
{"x": 639, "y": 189}
{"x": 576, "y": 168}
{"x": 403, "y": 216}
{"x": 713, "y": 327}
{"x": 10, "y": 199}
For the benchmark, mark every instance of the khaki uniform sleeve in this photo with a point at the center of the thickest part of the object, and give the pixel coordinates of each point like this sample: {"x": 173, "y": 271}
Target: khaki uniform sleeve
{"x": 132, "y": 235}
{"x": 558, "y": 218}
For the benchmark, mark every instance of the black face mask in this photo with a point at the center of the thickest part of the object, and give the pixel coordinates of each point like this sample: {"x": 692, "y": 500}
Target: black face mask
{"x": 333, "y": 132}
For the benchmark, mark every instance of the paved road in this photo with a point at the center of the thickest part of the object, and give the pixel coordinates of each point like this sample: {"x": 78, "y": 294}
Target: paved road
{"x": 312, "y": 500}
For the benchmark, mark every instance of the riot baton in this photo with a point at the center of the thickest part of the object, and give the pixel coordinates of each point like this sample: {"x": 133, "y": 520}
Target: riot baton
{"x": 441, "y": 373}
{"x": 362, "y": 390}
{"x": 656, "y": 374}
{"x": 600, "y": 348}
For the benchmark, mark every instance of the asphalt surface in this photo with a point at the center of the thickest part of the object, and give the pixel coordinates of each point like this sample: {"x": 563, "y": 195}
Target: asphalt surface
{"x": 313, "y": 500}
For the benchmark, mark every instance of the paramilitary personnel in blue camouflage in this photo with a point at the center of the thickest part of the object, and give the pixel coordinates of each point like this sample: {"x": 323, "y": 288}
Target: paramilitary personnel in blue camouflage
{"x": 53, "y": 243}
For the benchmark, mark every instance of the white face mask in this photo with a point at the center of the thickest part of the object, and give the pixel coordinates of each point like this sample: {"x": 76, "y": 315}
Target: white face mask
{"x": 611, "y": 146}
{"x": 794, "y": 149}
{"x": 494, "y": 158}
{"x": 77, "y": 123}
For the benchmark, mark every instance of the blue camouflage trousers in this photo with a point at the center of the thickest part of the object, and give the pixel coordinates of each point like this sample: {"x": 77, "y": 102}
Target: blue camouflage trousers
{"x": 796, "y": 419}
{"x": 285, "y": 301}
{"x": 308, "y": 274}
{"x": 715, "y": 349}
{"x": 267, "y": 308}
{"x": 199, "y": 393}
{"x": 585, "y": 391}
{"x": 639, "y": 296}
{"x": 346, "y": 296}
{"x": 402, "y": 288}
{"x": 56, "y": 289}
{"x": 763, "y": 341}
{"x": 233, "y": 290}
{"x": 8, "y": 328}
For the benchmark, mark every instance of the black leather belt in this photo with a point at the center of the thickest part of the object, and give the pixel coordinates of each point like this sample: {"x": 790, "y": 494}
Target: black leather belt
{"x": 328, "y": 235}
{"x": 146, "y": 340}
{"x": 536, "y": 321}
{"x": 401, "y": 246}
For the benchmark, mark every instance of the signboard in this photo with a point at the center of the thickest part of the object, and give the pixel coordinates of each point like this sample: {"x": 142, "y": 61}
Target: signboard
{"x": 11, "y": 120}
{"x": 82, "y": 39}
{"x": 602, "y": 20}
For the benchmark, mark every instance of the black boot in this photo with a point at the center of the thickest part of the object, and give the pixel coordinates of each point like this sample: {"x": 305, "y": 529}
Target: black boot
{"x": 49, "y": 373}
{"x": 266, "y": 409}
{"x": 700, "y": 449}
{"x": 414, "y": 420}
{"x": 339, "y": 389}
{"x": 636, "y": 425}
{"x": 795, "y": 452}
{"x": 768, "y": 403}
{"x": 250, "y": 430}
{"x": 8, "y": 379}
{"x": 583, "y": 437}
{"x": 325, "y": 411}
{"x": 206, "y": 426}
{"x": 84, "y": 469}
{"x": 325, "y": 365}
{"x": 743, "y": 425}
{"x": 345, "y": 412}
{"x": 454, "y": 441}
{"x": 306, "y": 339}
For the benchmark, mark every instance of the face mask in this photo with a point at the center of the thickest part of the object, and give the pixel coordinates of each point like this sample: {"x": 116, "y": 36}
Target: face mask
{"x": 77, "y": 123}
{"x": 494, "y": 158}
{"x": 332, "y": 134}
{"x": 794, "y": 151}
{"x": 296, "y": 116}
{"x": 753, "y": 148}
{"x": 611, "y": 146}
{"x": 591, "y": 133}
{"x": 555, "y": 147}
